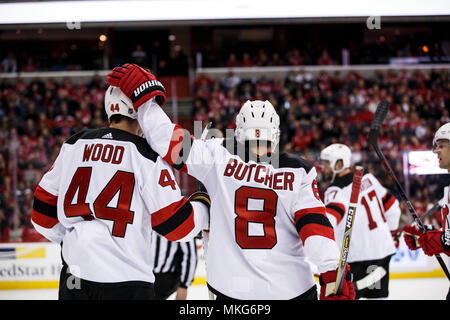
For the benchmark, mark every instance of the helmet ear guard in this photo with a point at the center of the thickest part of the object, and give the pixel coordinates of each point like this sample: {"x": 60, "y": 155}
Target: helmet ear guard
{"x": 116, "y": 102}
{"x": 258, "y": 121}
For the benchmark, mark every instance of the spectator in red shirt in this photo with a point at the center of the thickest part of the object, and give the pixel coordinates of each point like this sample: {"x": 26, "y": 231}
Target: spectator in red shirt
{"x": 64, "y": 122}
{"x": 246, "y": 61}
{"x": 364, "y": 115}
{"x": 325, "y": 59}
{"x": 232, "y": 61}
{"x": 295, "y": 58}
{"x": 202, "y": 79}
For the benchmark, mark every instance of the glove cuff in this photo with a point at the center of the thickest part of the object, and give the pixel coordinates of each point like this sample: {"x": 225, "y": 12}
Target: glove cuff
{"x": 201, "y": 197}
{"x": 445, "y": 240}
{"x": 146, "y": 91}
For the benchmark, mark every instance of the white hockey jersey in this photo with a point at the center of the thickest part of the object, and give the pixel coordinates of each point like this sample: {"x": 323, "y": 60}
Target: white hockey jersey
{"x": 105, "y": 192}
{"x": 378, "y": 212}
{"x": 265, "y": 219}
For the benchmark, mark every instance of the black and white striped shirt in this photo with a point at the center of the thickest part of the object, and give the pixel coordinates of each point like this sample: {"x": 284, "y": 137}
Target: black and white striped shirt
{"x": 175, "y": 257}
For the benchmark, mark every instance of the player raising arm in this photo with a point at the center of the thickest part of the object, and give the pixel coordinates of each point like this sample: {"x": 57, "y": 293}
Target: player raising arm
{"x": 267, "y": 217}
{"x": 104, "y": 193}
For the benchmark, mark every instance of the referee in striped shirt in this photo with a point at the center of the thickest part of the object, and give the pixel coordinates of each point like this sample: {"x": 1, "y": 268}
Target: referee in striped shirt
{"x": 174, "y": 266}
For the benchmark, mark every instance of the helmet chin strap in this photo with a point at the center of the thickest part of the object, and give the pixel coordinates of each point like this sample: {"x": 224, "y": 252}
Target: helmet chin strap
{"x": 335, "y": 172}
{"x": 334, "y": 176}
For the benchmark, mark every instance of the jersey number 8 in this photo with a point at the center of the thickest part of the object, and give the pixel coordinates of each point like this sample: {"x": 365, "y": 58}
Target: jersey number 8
{"x": 265, "y": 217}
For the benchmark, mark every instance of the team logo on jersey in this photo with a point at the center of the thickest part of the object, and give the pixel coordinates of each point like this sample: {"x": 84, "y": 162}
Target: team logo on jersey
{"x": 108, "y": 136}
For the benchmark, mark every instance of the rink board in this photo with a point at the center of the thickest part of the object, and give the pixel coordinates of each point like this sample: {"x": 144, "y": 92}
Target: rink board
{"x": 38, "y": 265}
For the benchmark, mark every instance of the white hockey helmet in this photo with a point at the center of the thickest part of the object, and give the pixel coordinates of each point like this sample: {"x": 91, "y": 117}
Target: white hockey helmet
{"x": 335, "y": 152}
{"x": 116, "y": 102}
{"x": 443, "y": 133}
{"x": 258, "y": 120}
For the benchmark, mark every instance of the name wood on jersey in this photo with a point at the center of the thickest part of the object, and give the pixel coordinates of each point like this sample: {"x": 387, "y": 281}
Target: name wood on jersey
{"x": 260, "y": 174}
{"x": 105, "y": 153}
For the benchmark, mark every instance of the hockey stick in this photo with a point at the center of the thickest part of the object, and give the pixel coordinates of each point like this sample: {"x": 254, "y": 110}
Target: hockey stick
{"x": 378, "y": 118}
{"x": 436, "y": 205}
{"x": 205, "y": 131}
{"x": 356, "y": 187}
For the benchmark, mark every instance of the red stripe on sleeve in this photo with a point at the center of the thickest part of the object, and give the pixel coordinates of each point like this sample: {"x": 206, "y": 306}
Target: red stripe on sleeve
{"x": 313, "y": 222}
{"x": 389, "y": 203}
{"x": 335, "y": 214}
{"x": 43, "y": 220}
{"x": 174, "y": 221}
{"x": 303, "y": 212}
{"x": 45, "y": 196}
{"x": 313, "y": 229}
{"x": 336, "y": 209}
{"x": 183, "y": 230}
{"x": 165, "y": 213}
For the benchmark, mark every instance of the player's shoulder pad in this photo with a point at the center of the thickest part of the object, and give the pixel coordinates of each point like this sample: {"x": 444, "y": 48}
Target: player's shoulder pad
{"x": 293, "y": 161}
{"x": 332, "y": 188}
{"x": 370, "y": 176}
{"x": 74, "y": 138}
{"x": 111, "y": 134}
{"x": 375, "y": 181}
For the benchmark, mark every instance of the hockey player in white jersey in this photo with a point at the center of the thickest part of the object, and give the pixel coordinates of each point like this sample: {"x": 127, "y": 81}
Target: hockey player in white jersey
{"x": 378, "y": 214}
{"x": 104, "y": 193}
{"x": 266, "y": 213}
{"x": 435, "y": 241}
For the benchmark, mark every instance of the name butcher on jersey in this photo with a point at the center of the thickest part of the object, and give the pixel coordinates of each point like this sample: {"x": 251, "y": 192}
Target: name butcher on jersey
{"x": 260, "y": 174}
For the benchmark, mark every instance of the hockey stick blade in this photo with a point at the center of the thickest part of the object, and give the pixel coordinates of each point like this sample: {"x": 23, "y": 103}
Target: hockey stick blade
{"x": 356, "y": 187}
{"x": 378, "y": 118}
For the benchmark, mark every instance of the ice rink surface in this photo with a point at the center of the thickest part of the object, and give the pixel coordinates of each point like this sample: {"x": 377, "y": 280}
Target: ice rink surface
{"x": 399, "y": 289}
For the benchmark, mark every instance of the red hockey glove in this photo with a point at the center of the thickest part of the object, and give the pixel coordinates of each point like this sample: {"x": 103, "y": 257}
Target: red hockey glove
{"x": 433, "y": 242}
{"x": 138, "y": 84}
{"x": 396, "y": 236}
{"x": 411, "y": 236}
{"x": 328, "y": 282}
